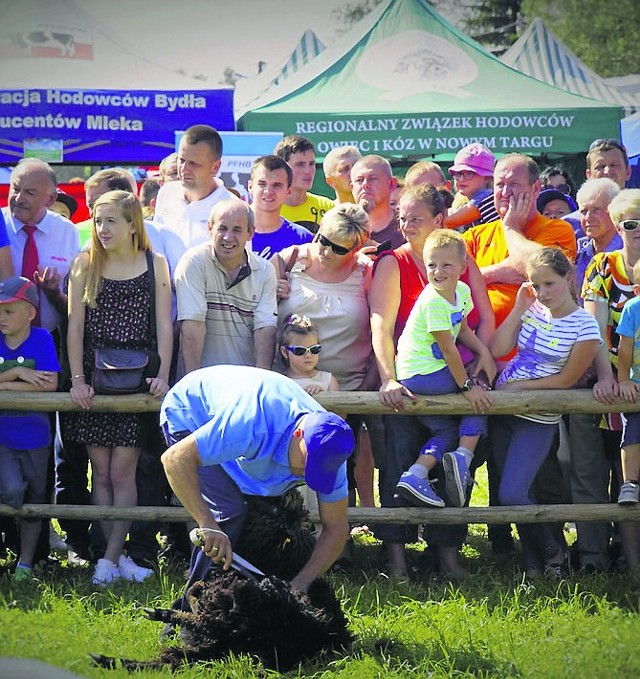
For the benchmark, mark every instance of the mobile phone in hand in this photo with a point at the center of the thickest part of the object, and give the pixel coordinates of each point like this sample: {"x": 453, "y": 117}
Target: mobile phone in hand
{"x": 385, "y": 245}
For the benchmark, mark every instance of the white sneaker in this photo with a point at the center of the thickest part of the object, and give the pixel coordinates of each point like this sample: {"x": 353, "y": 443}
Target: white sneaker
{"x": 129, "y": 569}
{"x": 105, "y": 573}
{"x": 629, "y": 493}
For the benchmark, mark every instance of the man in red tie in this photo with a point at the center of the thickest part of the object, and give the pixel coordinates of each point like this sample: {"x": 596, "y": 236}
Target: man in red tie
{"x": 43, "y": 244}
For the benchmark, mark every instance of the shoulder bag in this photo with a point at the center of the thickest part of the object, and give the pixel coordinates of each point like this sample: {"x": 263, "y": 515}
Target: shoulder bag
{"x": 120, "y": 371}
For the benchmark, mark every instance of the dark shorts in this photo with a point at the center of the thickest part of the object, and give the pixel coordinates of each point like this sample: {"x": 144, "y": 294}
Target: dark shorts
{"x": 23, "y": 476}
{"x": 631, "y": 431}
{"x": 170, "y": 438}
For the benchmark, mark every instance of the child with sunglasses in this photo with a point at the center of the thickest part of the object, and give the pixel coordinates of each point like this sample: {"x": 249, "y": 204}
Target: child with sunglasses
{"x": 299, "y": 349}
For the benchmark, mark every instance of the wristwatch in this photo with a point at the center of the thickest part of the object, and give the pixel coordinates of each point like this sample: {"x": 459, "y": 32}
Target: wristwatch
{"x": 468, "y": 384}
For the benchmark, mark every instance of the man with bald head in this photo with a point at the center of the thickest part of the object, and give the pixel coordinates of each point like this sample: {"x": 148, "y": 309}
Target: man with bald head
{"x": 426, "y": 172}
{"x": 337, "y": 166}
{"x": 372, "y": 182}
{"x": 226, "y": 295}
{"x": 42, "y": 243}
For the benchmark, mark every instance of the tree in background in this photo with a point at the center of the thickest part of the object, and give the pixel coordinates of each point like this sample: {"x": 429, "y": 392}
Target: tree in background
{"x": 495, "y": 24}
{"x": 352, "y": 12}
{"x": 603, "y": 34}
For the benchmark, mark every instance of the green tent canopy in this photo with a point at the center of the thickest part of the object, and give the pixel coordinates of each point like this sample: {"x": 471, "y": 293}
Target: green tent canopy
{"x": 406, "y": 84}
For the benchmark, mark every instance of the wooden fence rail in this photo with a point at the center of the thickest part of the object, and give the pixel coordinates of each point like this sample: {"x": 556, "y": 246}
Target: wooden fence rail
{"x": 370, "y": 515}
{"x": 504, "y": 403}
{"x": 357, "y": 402}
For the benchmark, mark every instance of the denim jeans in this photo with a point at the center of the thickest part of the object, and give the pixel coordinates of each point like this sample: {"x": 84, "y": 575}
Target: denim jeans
{"x": 405, "y": 437}
{"x": 520, "y": 447}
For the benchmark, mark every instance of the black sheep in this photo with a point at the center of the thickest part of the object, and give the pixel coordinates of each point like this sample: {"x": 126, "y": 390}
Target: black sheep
{"x": 258, "y": 616}
{"x": 265, "y": 619}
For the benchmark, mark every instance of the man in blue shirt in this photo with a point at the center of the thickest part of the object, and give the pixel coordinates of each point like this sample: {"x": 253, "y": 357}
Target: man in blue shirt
{"x": 262, "y": 434}
{"x": 269, "y": 186}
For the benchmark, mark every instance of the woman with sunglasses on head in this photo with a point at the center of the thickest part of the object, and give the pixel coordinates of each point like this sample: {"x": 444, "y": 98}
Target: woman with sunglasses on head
{"x": 555, "y": 177}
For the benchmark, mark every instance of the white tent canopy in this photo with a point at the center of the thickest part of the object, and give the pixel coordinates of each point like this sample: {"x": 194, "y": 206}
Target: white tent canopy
{"x": 540, "y": 54}
{"x": 56, "y": 44}
{"x": 307, "y": 49}
{"x": 250, "y": 90}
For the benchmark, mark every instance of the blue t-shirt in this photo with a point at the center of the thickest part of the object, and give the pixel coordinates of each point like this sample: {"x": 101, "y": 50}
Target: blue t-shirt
{"x": 4, "y": 235}
{"x": 243, "y": 419}
{"x": 268, "y": 244}
{"x": 629, "y": 326}
{"x": 574, "y": 219}
{"x": 21, "y": 430}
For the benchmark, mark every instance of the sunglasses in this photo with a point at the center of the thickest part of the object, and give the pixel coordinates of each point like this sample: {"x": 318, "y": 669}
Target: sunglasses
{"x": 563, "y": 188}
{"x": 630, "y": 224}
{"x": 463, "y": 174}
{"x": 597, "y": 143}
{"x": 298, "y": 350}
{"x": 326, "y": 243}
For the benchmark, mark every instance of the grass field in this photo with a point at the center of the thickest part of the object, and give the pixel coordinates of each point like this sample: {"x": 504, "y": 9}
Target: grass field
{"x": 490, "y": 625}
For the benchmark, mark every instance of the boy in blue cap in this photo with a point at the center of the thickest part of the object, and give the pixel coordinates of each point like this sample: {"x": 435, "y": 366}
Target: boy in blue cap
{"x": 263, "y": 434}
{"x": 28, "y": 362}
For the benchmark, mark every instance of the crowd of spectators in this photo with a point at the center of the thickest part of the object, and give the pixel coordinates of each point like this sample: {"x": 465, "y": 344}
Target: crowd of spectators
{"x": 401, "y": 285}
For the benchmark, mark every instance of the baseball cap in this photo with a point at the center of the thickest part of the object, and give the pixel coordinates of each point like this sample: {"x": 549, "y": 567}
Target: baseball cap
{"x": 548, "y": 195}
{"x": 16, "y": 289}
{"x": 67, "y": 200}
{"x": 476, "y": 158}
{"x": 330, "y": 441}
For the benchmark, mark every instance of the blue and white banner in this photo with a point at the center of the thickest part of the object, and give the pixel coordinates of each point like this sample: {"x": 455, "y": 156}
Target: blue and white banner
{"x": 99, "y": 126}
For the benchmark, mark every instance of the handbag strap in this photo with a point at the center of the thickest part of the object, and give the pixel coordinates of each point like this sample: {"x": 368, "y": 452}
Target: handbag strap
{"x": 152, "y": 310}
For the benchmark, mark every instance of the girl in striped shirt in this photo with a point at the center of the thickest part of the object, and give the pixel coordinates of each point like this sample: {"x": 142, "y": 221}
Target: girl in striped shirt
{"x": 556, "y": 342}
